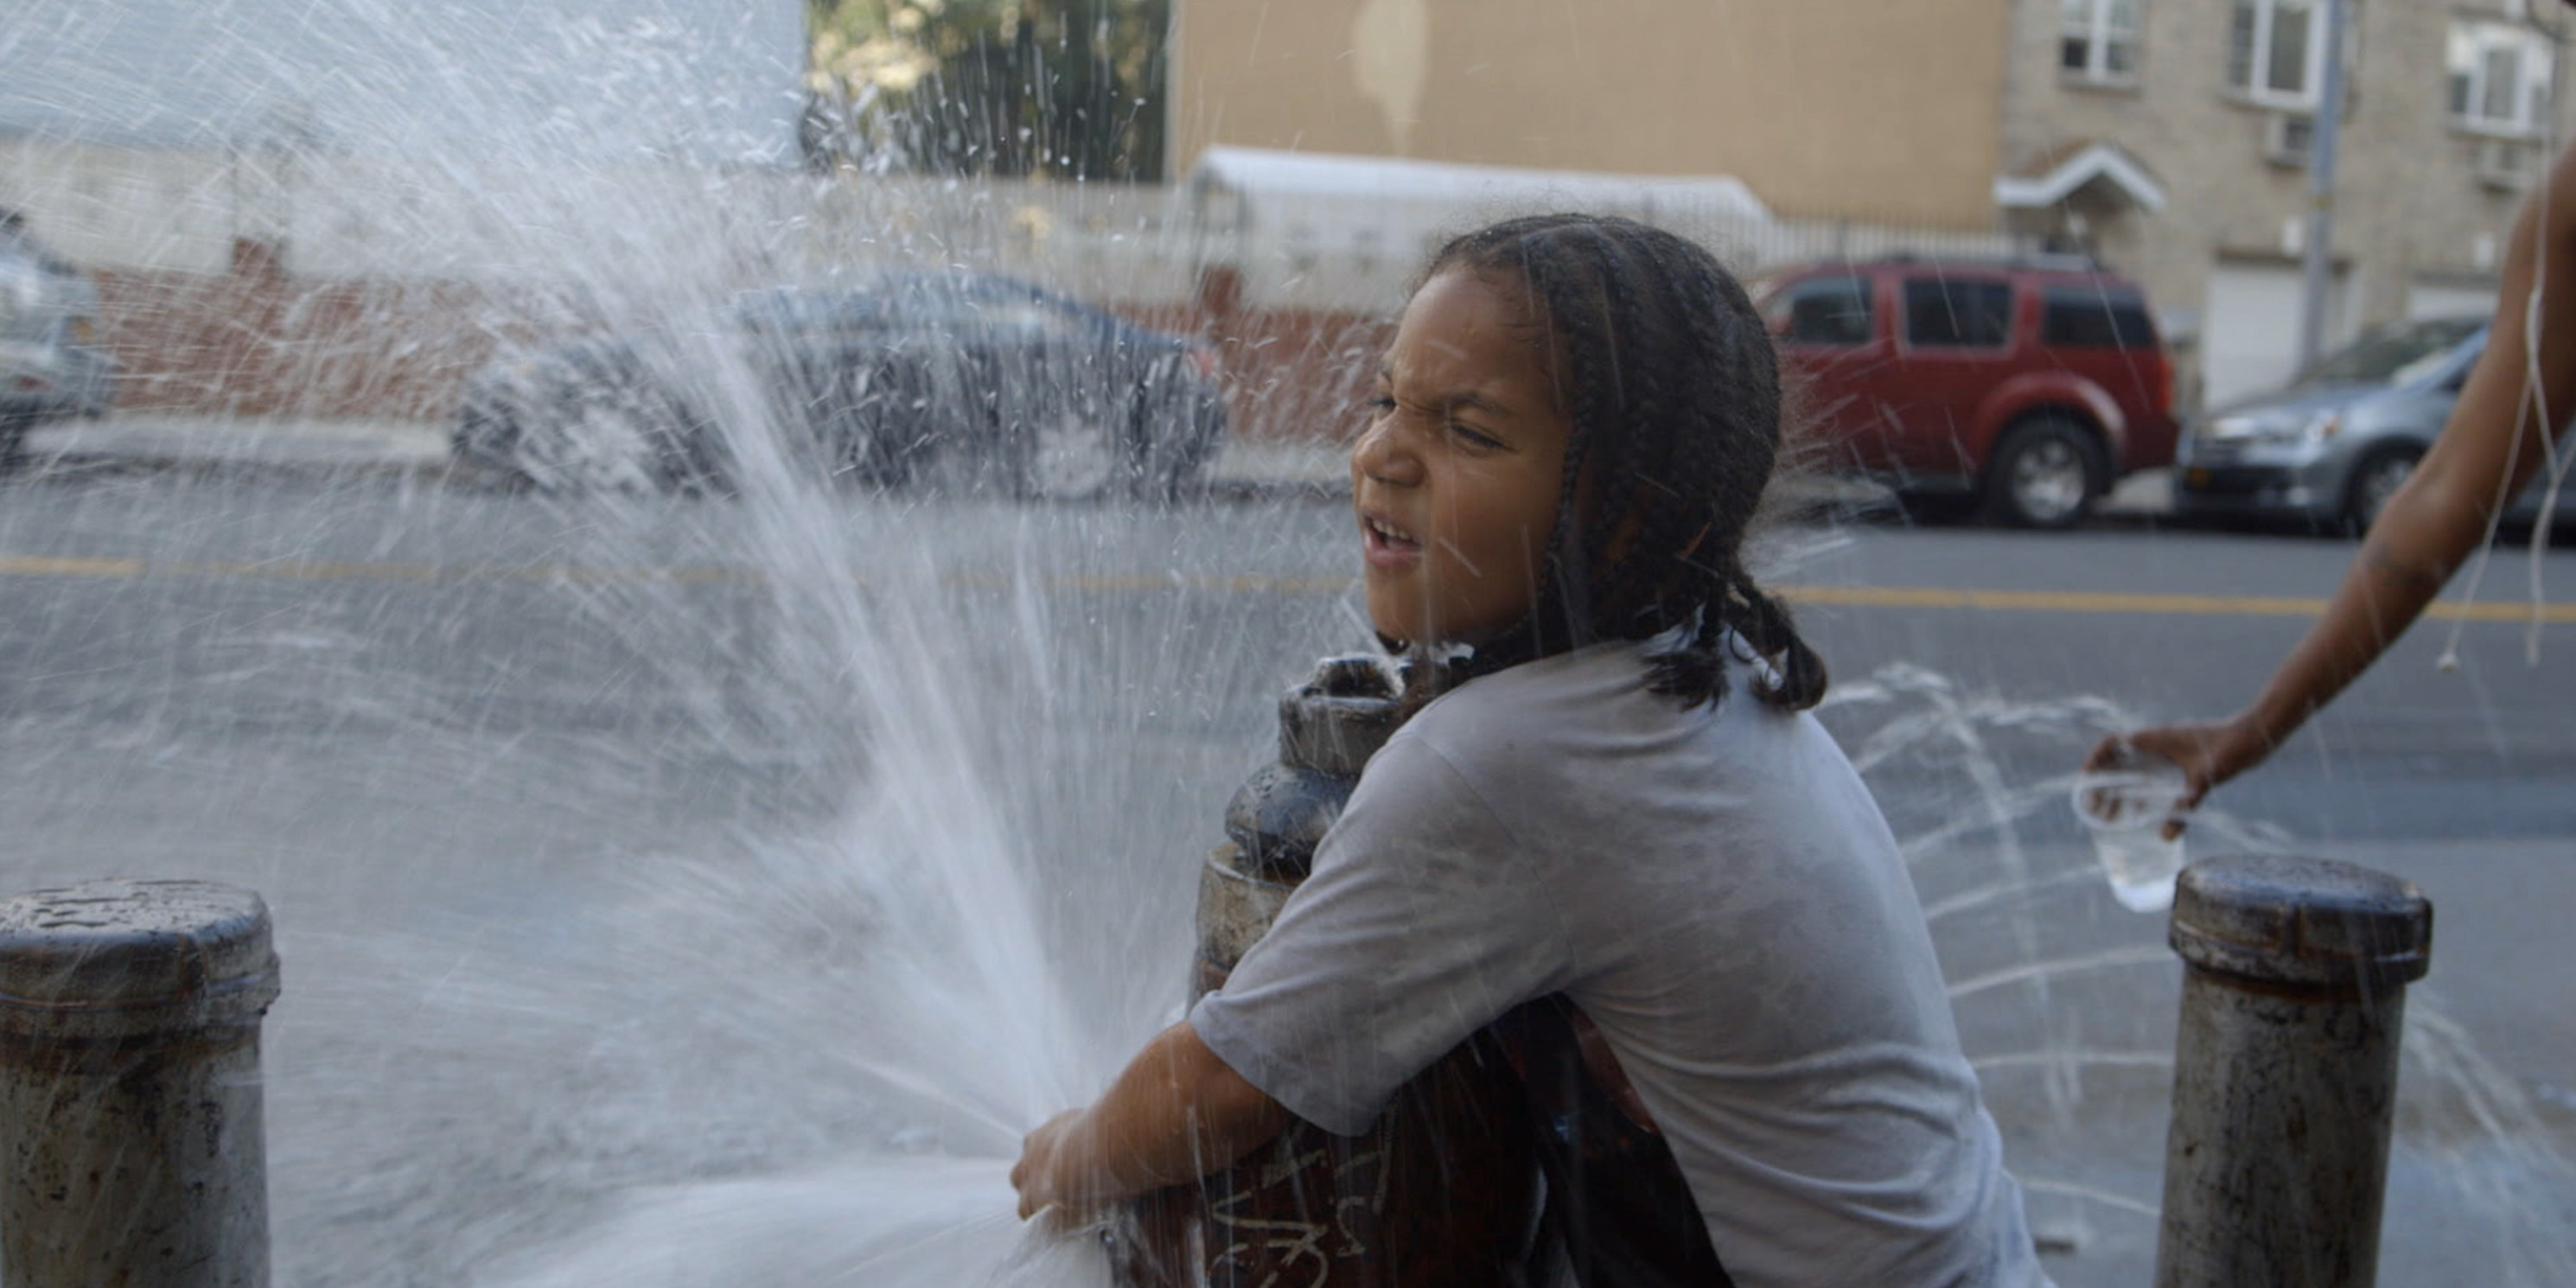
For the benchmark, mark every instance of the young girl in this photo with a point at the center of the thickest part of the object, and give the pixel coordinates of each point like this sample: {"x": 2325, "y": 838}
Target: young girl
{"x": 1624, "y": 801}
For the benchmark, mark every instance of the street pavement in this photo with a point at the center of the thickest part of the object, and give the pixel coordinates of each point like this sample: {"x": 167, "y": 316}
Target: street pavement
{"x": 586, "y": 822}
{"x": 173, "y": 439}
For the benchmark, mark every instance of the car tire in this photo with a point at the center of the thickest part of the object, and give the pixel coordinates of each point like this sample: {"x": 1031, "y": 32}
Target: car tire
{"x": 481, "y": 450}
{"x": 873, "y": 431}
{"x": 13, "y": 441}
{"x": 2044, "y": 474}
{"x": 1172, "y": 431}
{"x": 1066, "y": 455}
{"x": 610, "y": 441}
{"x": 2375, "y": 478}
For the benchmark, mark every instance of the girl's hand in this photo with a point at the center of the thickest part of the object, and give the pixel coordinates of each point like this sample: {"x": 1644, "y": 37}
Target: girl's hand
{"x": 2208, "y": 754}
{"x": 1047, "y": 1178}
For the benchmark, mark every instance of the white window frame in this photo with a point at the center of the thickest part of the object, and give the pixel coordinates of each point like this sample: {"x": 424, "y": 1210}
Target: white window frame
{"x": 2471, "y": 42}
{"x": 2097, "y": 32}
{"x": 2267, "y": 14}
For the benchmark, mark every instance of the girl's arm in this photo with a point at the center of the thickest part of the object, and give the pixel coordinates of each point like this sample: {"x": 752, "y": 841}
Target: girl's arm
{"x": 1176, "y": 1114}
{"x": 2495, "y": 440}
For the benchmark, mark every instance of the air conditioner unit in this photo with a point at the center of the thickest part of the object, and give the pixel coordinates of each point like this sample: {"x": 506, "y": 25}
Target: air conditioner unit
{"x": 2287, "y": 138}
{"x": 2504, "y": 163}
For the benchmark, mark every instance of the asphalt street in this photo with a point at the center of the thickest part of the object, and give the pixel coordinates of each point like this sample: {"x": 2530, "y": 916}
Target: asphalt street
{"x": 479, "y": 748}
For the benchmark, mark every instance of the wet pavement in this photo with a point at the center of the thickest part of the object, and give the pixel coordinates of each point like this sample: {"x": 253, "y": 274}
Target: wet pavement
{"x": 561, "y": 808}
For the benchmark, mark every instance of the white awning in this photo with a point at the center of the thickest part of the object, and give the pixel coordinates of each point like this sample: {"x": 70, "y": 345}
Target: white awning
{"x": 1261, "y": 172}
{"x": 2070, "y": 169}
{"x": 1346, "y": 232}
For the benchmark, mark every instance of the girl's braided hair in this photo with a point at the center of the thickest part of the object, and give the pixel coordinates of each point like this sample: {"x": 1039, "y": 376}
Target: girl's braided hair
{"x": 1670, "y": 381}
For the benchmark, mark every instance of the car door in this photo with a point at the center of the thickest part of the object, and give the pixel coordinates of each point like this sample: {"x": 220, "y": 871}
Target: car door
{"x": 1957, "y": 343}
{"x": 1833, "y": 342}
{"x": 1066, "y": 397}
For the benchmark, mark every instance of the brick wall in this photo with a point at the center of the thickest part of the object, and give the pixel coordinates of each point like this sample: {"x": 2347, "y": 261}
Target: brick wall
{"x": 257, "y": 341}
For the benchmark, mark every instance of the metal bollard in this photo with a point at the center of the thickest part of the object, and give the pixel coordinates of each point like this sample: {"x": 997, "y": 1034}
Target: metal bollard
{"x": 130, "y": 1102}
{"x": 2285, "y": 1070}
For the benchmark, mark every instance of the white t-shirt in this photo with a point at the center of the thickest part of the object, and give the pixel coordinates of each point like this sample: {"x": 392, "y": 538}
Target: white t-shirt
{"x": 1719, "y": 893}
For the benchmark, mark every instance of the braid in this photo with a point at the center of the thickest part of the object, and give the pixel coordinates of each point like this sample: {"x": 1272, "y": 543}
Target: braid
{"x": 1668, "y": 379}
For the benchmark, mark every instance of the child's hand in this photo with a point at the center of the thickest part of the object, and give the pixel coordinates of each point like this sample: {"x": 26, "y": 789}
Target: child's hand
{"x": 1046, "y": 1175}
{"x": 2208, "y": 754}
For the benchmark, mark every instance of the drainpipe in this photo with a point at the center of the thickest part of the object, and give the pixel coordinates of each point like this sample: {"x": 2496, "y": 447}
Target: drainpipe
{"x": 2316, "y": 257}
{"x": 130, "y": 1102}
{"x": 2285, "y": 1070}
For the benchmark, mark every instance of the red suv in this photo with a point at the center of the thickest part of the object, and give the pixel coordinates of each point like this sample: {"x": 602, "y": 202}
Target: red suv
{"x": 2033, "y": 385}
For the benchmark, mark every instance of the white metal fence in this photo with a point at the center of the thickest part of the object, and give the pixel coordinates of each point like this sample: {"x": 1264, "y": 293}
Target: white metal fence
{"x": 673, "y": 227}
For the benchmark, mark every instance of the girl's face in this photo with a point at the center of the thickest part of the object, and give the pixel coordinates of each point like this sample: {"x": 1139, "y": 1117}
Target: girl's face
{"x": 1457, "y": 477}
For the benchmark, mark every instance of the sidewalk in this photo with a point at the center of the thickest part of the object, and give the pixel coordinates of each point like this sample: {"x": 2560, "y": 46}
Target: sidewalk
{"x": 161, "y": 439}
{"x": 170, "y": 439}
{"x": 176, "y": 439}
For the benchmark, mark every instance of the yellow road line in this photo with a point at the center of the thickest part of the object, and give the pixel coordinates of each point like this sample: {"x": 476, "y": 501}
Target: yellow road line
{"x": 43, "y": 566}
{"x": 1931, "y": 597}
{"x": 2069, "y": 601}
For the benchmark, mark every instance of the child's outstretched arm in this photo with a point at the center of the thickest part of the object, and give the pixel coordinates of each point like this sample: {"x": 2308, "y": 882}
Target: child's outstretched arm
{"x": 1176, "y": 1114}
{"x": 2494, "y": 441}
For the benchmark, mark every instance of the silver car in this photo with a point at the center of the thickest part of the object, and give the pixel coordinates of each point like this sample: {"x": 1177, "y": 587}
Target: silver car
{"x": 2333, "y": 447}
{"x": 49, "y": 367}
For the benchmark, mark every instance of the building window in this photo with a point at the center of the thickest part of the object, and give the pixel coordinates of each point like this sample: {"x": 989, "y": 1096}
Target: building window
{"x": 2097, "y": 40}
{"x": 2499, "y": 78}
{"x": 2276, "y": 51}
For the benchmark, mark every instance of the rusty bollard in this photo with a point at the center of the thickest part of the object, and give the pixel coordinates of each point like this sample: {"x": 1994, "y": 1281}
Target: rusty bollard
{"x": 1442, "y": 1192}
{"x": 130, "y": 1103}
{"x": 2285, "y": 1070}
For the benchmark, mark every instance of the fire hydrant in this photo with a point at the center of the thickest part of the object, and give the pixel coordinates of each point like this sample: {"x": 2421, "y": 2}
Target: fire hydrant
{"x": 1505, "y": 1155}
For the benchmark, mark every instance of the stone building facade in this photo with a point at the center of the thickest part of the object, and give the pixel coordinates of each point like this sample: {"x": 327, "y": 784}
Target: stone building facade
{"x": 2167, "y": 137}
{"x": 2172, "y": 137}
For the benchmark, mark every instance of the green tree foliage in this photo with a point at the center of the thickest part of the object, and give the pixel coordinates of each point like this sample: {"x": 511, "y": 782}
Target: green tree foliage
{"x": 1061, "y": 88}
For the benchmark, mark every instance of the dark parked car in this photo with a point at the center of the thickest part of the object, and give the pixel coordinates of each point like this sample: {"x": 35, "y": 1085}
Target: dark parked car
{"x": 2030, "y": 385}
{"x": 2333, "y": 446}
{"x": 50, "y": 367}
{"x": 960, "y": 377}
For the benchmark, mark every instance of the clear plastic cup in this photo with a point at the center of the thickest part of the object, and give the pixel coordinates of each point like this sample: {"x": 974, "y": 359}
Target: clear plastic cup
{"x": 2126, "y": 810}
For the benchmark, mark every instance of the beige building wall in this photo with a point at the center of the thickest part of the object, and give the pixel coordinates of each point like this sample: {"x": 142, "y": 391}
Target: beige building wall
{"x": 1826, "y": 108}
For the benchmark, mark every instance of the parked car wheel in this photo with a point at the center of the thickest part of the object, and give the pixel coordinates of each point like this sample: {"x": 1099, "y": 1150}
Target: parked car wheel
{"x": 2375, "y": 478}
{"x": 13, "y": 440}
{"x": 872, "y": 429}
{"x": 1174, "y": 427}
{"x": 609, "y": 440}
{"x": 1065, "y": 454}
{"x": 2045, "y": 474}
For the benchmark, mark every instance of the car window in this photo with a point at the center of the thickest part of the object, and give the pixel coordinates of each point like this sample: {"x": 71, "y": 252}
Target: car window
{"x": 792, "y": 310}
{"x": 1823, "y": 310}
{"x": 2399, "y": 352}
{"x": 2108, "y": 317}
{"x": 1958, "y": 312}
{"x": 1027, "y": 317}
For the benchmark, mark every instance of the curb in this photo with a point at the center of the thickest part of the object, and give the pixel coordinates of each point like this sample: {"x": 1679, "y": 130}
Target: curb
{"x": 1243, "y": 471}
